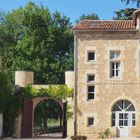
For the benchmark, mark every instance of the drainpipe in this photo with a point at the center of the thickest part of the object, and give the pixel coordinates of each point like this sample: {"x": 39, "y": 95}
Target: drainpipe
{"x": 75, "y": 85}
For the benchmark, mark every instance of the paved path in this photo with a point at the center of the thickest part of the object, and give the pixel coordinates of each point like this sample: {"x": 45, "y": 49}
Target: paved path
{"x": 69, "y": 139}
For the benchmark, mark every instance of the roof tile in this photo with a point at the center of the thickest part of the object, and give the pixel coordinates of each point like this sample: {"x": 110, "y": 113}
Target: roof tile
{"x": 106, "y": 25}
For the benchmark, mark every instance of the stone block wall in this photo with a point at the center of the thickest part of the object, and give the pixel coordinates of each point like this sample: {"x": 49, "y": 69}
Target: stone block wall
{"x": 107, "y": 90}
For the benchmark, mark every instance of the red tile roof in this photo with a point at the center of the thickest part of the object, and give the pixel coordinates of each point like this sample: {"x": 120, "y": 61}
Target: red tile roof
{"x": 105, "y": 25}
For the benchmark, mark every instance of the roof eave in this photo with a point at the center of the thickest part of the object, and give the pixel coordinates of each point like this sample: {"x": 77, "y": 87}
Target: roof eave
{"x": 84, "y": 30}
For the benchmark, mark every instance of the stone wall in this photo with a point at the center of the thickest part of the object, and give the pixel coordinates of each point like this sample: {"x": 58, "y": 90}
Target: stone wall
{"x": 107, "y": 90}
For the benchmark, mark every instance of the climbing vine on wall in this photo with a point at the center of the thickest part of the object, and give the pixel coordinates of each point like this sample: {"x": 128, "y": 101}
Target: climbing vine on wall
{"x": 53, "y": 91}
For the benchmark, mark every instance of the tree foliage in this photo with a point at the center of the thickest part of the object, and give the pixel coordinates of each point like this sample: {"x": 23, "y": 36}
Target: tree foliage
{"x": 133, "y": 1}
{"x": 10, "y": 105}
{"x": 124, "y": 14}
{"x": 35, "y": 39}
{"x": 5, "y": 90}
{"x": 91, "y": 16}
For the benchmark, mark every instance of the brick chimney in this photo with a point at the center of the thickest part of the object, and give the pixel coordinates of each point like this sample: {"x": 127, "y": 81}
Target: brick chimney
{"x": 136, "y": 19}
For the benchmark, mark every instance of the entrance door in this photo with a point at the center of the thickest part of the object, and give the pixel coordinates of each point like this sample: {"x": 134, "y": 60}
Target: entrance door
{"x": 123, "y": 124}
{"x": 123, "y": 117}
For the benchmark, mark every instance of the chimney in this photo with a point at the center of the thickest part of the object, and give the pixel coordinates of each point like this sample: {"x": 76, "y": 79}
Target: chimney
{"x": 136, "y": 19}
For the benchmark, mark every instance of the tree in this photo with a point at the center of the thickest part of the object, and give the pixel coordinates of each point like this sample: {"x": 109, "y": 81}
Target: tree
{"x": 5, "y": 90}
{"x": 39, "y": 41}
{"x": 92, "y": 16}
{"x": 134, "y": 1}
{"x": 124, "y": 14}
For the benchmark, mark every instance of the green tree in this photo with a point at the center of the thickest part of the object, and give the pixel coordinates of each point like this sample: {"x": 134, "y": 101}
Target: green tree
{"x": 91, "y": 16}
{"x": 124, "y": 14}
{"x": 133, "y": 1}
{"x": 5, "y": 90}
{"x": 39, "y": 41}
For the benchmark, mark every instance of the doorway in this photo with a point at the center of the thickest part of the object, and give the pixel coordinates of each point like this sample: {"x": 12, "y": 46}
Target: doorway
{"x": 48, "y": 119}
{"x": 123, "y": 117}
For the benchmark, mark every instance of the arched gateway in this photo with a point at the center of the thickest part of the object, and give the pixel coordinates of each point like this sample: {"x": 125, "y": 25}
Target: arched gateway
{"x": 28, "y": 116}
{"x": 123, "y": 117}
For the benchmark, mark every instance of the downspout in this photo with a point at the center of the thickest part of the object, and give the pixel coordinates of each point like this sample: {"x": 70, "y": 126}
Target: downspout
{"x": 75, "y": 85}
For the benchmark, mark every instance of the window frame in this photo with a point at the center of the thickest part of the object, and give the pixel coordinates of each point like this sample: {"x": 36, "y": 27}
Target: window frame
{"x": 116, "y": 71}
{"x": 88, "y": 121}
{"x": 90, "y": 85}
{"x": 91, "y": 51}
{"x": 90, "y": 81}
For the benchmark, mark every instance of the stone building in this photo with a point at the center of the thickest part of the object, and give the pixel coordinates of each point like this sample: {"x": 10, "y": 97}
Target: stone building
{"x": 107, "y": 73}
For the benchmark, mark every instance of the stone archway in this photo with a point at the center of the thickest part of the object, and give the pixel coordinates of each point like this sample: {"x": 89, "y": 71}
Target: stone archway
{"x": 42, "y": 108}
{"x": 28, "y": 116}
{"x": 39, "y": 99}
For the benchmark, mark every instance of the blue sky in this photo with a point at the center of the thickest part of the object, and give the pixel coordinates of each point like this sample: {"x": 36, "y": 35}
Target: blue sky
{"x": 72, "y": 8}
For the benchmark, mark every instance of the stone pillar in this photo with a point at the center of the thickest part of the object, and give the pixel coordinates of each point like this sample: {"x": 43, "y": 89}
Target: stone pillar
{"x": 69, "y": 79}
{"x": 1, "y": 125}
{"x": 70, "y": 122}
{"x": 24, "y": 78}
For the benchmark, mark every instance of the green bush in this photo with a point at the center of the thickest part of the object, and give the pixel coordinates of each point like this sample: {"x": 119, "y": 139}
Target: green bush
{"x": 79, "y": 137}
{"x": 5, "y": 90}
{"x": 105, "y": 134}
{"x": 10, "y": 104}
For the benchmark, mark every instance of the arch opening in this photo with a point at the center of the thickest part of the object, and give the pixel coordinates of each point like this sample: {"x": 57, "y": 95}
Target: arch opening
{"x": 123, "y": 117}
{"x": 48, "y": 119}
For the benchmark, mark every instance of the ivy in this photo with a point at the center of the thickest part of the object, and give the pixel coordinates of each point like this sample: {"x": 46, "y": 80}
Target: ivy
{"x": 59, "y": 92}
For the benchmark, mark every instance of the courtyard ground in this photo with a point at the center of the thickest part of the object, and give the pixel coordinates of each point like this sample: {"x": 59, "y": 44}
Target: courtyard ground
{"x": 69, "y": 139}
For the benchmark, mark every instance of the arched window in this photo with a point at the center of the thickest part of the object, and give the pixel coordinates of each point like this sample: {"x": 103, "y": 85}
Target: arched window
{"x": 123, "y": 114}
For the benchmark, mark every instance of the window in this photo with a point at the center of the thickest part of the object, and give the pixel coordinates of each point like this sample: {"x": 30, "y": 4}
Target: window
{"x": 90, "y": 78}
{"x": 90, "y": 86}
{"x": 123, "y": 114}
{"x": 90, "y": 121}
{"x": 91, "y": 90}
{"x": 115, "y": 69}
{"x": 133, "y": 119}
{"x": 115, "y": 54}
{"x": 115, "y": 64}
{"x": 91, "y": 56}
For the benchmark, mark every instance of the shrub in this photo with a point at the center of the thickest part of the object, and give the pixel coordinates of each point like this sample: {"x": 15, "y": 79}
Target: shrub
{"x": 79, "y": 137}
{"x": 105, "y": 134}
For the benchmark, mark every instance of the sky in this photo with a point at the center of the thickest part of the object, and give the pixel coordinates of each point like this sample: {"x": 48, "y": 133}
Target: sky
{"x": 72, "y": 8}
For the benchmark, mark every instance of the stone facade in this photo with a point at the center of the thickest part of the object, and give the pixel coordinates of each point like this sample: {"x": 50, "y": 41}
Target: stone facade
{"x": 107, "y": 90}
